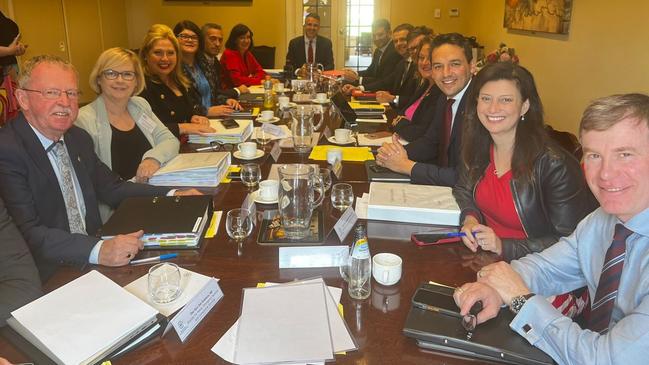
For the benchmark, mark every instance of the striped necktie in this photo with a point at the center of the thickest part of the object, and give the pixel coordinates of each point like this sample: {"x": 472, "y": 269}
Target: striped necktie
{"x": 609, "y": 281}
{"x": 310, "y": 52}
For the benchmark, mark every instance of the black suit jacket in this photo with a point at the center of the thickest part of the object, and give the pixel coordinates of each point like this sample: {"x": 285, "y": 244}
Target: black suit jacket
{"x": 424, "y": 149}
{"x": 392, "y": 82}
{"x": 411, "y": 130}
{"x": 378, "y": 70}
{"x": 19, "y": 282}
{"x": 34, "y": 199}
{"x": 324, "y": 55}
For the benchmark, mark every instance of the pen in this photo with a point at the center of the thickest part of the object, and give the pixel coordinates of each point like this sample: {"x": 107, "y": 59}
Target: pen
{"x": 168, "y": 256}
{"x": 209, "y": 148}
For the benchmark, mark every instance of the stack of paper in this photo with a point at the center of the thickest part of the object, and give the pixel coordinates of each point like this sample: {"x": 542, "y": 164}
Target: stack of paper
{"x": 249, "y": 112}
{"x": 349, "y": 153}
{"x": 291, "y": 323}
{"x": 363, "y": 109}
{"x": 204, "y": 169}
{"x": 223, "y": 135}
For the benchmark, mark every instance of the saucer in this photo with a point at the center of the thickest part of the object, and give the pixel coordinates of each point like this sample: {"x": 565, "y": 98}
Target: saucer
{"x": 333, "y": 140}
{"x": 325, "y": 101}
{"x": 289, "y": 106}
{"x": 273, "y": 120}
{"x": 237, "y": 154}
{"x": 258, "y": 199}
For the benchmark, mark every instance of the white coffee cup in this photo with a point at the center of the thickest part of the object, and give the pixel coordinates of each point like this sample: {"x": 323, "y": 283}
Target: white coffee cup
{"x": 268, "y": 190}
{"x": 267, "y": 114}
{"x": 342, "y": 134}
{"x": 334, "y": 154}
{"x": 386, "y": 268}
{"x": 283, "y": 101}
{"x": 279, "y": 87}
{"x": 321, "y": 96}
{"x": 247, "y": 149}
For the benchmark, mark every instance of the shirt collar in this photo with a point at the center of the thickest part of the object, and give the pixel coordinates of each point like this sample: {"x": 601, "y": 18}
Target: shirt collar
{"x": 460, "y": 95}
{"x": 384, "y": 47}
{"x": 45, "y": 142}
{"x": 638, "y": 223}
{"x": 306, "y": 40}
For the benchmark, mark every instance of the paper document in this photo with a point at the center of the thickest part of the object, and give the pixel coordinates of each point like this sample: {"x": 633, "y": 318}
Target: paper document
{"x": 361, "y": 206}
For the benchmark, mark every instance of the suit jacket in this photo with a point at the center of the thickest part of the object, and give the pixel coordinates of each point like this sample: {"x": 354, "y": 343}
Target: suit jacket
{"x": 392, "y": 82}
{"x": 240, "y": 70}
{"x": 411, "y": 130}
{"x": 424, "y": 149}
{"x": 19, "y": 281}
{"x": 378, "y": 70}
{"x": 324, "y": 55}
{"x": 212, "y": 70}
{"x": 29, "y": 186}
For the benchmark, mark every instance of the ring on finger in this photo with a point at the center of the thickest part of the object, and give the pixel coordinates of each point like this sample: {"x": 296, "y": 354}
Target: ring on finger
{"x": 481, "y": 273}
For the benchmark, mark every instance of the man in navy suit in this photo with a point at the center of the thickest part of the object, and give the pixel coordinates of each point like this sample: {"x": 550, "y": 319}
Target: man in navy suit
{"x": 321, "y": 50}
{"x": 431, "y": 159}
{"x": 51, "y": 180}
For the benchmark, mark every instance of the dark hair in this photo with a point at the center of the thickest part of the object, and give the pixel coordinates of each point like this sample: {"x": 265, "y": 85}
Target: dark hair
{"x": 455, "y": 39}
{"x": 236, "y": 32}
{"x": 208, "y": 26}
{"x": 190, "y": 25}
{"x": 381, "y": 23}
{"x": 427, "y": 40}
{"x": 419, "y": 30}
{"x": 531, "y": 137}
{"x": 313, "y": 15}
{"x": 404, "y": 26}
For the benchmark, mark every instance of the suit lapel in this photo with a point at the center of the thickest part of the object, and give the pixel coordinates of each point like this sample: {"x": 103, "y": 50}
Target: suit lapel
{"x": 34, "y": 148}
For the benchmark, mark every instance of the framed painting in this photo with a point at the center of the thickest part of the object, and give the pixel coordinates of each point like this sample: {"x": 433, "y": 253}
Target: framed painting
{"x": 550, "y": 16}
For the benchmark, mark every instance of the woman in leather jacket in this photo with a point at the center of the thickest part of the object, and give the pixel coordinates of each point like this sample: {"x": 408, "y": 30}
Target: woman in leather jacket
{"x": 518, "y": 191}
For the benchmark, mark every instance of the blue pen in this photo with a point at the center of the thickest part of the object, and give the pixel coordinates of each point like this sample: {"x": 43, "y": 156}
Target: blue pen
{"x": 168, "y": 256}
{"x": 456, "y": 234}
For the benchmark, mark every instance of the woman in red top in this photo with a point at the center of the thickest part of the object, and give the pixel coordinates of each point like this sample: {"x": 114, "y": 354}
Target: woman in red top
{"x": 519, "y": 192}
{"x": 239, "y": 65}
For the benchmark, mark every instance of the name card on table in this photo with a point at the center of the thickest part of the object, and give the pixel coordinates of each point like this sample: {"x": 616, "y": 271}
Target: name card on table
{"x": 275, "y": 151}
{"x": 337, "y": 168}
{"x": 345, "y": 223}
{"x": 312, "y": 256}
{"x": 273, "y": 129}
{"x": 249, "y": 204}
{"x": 193, "y": 312}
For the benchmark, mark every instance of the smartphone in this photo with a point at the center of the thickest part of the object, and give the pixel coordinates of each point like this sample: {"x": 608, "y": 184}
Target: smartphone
{"x": 428, "y": 239}
{"x": 230, "y": 123}
{"x": 379, "y": 169}
{"x": 436, "y": 300}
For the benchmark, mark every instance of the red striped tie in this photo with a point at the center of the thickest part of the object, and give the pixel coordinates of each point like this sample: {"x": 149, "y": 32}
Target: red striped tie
{"x": 609, "y": 281}
{"x": 310, "y": 51}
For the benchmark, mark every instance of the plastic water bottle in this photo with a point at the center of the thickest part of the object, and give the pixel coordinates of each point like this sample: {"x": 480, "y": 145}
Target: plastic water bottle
{"x": 360, "y": 266}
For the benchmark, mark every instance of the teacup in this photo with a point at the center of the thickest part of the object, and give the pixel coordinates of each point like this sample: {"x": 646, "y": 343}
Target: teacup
{"x": 267, "y": 115}
{"x": 268, "y": 190}
{"x": 283, "y": 101}
{"x": 386, "y": 268}
{"x": 342, "y": 135}
{"x": 247, "y": 149}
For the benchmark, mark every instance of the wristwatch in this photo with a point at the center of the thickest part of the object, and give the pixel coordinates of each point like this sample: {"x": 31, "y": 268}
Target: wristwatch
{"x": 518, "y": 302}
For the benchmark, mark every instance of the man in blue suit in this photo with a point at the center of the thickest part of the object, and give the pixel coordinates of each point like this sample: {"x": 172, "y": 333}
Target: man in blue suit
{"x": 51, "y": 179}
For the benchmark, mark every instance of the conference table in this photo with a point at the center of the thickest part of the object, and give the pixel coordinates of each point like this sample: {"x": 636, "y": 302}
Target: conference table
{"x": 376, "y": 323}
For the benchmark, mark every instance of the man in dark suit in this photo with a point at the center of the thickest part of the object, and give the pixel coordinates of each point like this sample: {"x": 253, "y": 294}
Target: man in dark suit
{"x": 51, "y": 179}
{"x": 310, "y": 47}
{"x": 210, "y": 64}
{"x": 384, "y": 59}
{"x": 19, "y": 282}
{"x": 432, "y": 159}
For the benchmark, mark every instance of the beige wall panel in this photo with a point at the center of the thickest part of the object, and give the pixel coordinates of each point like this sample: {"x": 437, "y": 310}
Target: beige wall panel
{"x": 113, "y": 23}
{"x": 35, "y": 16}
{"x": 418, "y": 12}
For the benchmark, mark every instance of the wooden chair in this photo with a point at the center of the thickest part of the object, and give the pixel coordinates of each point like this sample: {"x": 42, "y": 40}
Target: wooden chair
{"x": 265, "y": 55}
{"x": 566, "y": 140}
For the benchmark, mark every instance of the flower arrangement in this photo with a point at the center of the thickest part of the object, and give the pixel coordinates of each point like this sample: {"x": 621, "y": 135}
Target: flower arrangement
{"x": 502, "y": 54}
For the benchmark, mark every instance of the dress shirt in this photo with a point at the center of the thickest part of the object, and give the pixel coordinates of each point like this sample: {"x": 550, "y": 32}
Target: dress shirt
{"x": 576, "y": 261}
{"x": 456, "y": 105}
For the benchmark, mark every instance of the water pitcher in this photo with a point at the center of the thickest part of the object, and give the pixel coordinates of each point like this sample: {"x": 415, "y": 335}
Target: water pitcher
{"x": 302, "y": 127}
{"x": 298, "y": 185}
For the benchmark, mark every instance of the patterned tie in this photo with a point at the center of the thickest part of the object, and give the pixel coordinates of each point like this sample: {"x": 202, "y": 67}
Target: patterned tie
{"x": 446, "y": 134}
{"x": 609, "y": 281}
{"x": 310, "y": 51}
{"x": 67, "y": 188}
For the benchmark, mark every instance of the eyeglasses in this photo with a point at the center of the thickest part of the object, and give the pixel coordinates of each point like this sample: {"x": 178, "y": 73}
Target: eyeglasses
{"x": 187, "y": 37}
{"x": 54, "y": 94}
{"x": 216, "y": 146}
{"x": 112, "y": 75}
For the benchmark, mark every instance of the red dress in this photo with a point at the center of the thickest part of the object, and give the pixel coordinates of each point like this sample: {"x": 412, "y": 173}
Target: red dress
{"x": 240, "y": 69}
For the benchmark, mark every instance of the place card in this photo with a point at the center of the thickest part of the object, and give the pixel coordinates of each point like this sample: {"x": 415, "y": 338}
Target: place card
{"x": 249, "y": 205}
{"x": 193, "y": 312}
{"x": 312, "y": 256}
{"x": 337, "y": 169}
{"x": 345, "y": 223}
{"x": 275, "y": 151}
{"x": 273, "y": 129}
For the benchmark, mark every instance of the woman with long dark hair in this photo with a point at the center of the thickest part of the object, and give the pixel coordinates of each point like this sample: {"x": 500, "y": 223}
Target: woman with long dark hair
{"x": 240, "y": 67}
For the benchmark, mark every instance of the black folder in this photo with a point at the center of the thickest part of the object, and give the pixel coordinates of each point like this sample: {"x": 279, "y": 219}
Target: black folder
{"x": 166, "y": 220}
{"x": 378, "y": 173}
{"x": 492, "y": 340}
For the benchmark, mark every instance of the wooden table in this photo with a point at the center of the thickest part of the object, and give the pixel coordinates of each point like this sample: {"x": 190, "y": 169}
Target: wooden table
{"x": 376, "y": 323}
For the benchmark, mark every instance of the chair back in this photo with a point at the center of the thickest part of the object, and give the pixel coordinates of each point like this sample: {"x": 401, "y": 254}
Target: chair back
{"x": 567, "y": 140}
{"x": 265, "y": 55}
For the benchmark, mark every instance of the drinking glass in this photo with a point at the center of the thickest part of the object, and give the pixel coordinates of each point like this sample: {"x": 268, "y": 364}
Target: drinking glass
{"x": 325, "y": 175}
{"x": 238, "y": 224}
{"x": 164, "y": 282}
{"x": 263, "y": 137}
{"x": 342, "y": 196}
{"x": 343, "y": 264}
{"x": 250, "y": 174}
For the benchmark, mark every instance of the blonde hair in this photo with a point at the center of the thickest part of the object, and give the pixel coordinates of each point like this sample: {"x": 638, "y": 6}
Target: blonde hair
{"x": 159, "y": 32}
{"x": 114, "y": 57}
{"x": 30, "y": 65}
{"x": 604, "y": 113}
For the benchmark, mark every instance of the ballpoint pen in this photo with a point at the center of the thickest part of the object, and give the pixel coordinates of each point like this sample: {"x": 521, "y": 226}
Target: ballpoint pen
{"x": 147, "y": 260}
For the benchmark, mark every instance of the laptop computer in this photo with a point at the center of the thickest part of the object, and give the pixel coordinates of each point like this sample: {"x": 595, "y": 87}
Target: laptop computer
{"x": 350, "y": 118}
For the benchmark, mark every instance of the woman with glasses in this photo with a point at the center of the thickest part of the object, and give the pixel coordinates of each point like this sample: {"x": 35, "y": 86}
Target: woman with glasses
{"x": 127, "y": 135}
{"x": 240, "y": 67}
{"x": 191, "y": 46}
{"x": 170, "y": 93}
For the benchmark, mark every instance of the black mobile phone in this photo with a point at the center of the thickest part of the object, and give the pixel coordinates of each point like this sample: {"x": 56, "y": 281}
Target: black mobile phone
{"x": 437, "y": 301}
{"x": 426, "y": 239}
{"x": 230, "y": 123}
{"x": 379, "y": 169}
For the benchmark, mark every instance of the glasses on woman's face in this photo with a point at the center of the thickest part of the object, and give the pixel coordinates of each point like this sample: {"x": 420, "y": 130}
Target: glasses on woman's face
{"x": 112, "y": 75}
{"x": 187, "y": 37}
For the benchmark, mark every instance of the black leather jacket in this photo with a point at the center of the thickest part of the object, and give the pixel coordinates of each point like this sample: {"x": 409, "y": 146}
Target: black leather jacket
{"x": 549, "y": 206}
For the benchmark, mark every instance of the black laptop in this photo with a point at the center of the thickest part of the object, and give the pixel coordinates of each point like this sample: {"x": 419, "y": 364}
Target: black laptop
{"x": 349, "y": 116}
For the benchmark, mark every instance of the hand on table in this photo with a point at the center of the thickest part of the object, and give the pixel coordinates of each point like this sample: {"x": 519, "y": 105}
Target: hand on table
{"x": 146, "y": 169}
{"x": 234, "y": 104}
{"x": 479, "y": 235}
{"x": 347, "y": 89}
{"x": 243, "y": 89}
{"x": 199, "y": 119}
{"x": 468, "y": 294}
{"x": 394, "y": 157}
{"x": 350, "y": 75}
{"x": 502, "y": 278}
{"x": 221, "y": 110}
{"x": 384, "y": 97}
{"x": 194, "y": 128}
{"x": 121, "y": 249}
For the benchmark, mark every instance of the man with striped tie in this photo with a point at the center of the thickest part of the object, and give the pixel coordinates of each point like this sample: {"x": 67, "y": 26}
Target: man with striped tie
{"x": 608, "y": 252}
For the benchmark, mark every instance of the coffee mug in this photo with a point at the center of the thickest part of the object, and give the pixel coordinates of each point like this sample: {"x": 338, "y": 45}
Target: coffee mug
{"x": 334, "y": 154}
{"x": 247, "y": 149}
{"x": 386, "y": 268}
{"x": 268, "y": 190}
{"x": 283, "y": 101}
{"x": 321, "y": 96}
{"x": 267, "y": 115}
{"x": 342, "y": 134}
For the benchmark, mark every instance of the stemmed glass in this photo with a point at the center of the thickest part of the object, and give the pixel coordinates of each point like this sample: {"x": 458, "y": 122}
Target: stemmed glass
{"x": 238, "y": 224}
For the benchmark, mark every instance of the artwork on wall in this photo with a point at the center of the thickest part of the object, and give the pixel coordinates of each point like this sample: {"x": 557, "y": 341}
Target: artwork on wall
{"x": 551, "y": 16}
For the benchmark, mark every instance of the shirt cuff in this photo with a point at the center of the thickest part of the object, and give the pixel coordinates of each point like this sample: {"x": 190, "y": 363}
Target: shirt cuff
{"x": 94, "y": 254}
{"x": 172, "y": 192}
{"x": 395, "y": 101}
{"x": 534, "y": 317}
{"x": 361, "y": 87}
{"x": 238, "y": 91}
{"x": 360, "y": 80}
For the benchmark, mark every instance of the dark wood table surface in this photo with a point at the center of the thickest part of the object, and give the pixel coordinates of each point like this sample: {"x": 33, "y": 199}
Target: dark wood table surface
{"x": 376, "y": 323}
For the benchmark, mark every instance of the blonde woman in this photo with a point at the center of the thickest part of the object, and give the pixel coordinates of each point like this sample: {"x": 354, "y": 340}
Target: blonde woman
{"x": 127, "y": 135}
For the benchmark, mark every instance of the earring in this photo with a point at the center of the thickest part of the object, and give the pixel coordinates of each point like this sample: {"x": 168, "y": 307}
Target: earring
{"x": 522, "y": 117}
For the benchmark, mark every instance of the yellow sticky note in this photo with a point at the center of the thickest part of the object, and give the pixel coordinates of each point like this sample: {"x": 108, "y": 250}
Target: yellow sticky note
{"x": 214, "y": 224}
{"x": 261, "y": 285}
{"x": 255, "y": 111}
{"x": 106, "y": 363}
{"x": 233, "y": 168}
{"x": 349, "y": 153}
